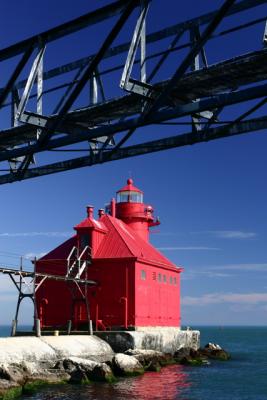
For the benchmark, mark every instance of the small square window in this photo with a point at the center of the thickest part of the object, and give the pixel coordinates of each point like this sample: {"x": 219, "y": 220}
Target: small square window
{"x": 164, "y": 279}
{"x": 174, "y": 280}
{"x": 143, "y": 275}
{"x": 171, "y": 280}
{"x": 159, "y": 277}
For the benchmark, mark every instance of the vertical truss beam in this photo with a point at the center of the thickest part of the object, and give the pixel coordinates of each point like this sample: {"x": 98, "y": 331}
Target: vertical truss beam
{"x": 149, "y": 110}
{"x": 138, "y": 38}
{"x": 40, "y": 84}
{"x": 30, "y": 82}
{"x": 192, "y": 54}
{"x": 45, "y": 135}
{"x": 265, "y": 35}
{"x": 93, "y": 89}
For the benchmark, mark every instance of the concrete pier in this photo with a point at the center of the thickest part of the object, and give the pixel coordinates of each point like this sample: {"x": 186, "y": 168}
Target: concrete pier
{"x": 166, "y": 340}
{"x": 29, "y": 361}
{"x": 51, "y": 348}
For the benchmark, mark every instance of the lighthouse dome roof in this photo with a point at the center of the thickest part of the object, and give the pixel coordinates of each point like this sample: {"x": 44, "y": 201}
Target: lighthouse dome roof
{"x": 129, "y": 187}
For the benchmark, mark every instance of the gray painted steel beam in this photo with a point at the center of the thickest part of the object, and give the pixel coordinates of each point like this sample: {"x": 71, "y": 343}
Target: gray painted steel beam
{"x": 141, "y": 149}
{"x": 150, "y": 38}
{"x": 15, "y": 75}
{"x": 189, "y": 59}
{"x": 204, "y": 83}
{"x": 163, "y": 115}
{"x": 88, "y": 73}
{"x": 65, "y": 29}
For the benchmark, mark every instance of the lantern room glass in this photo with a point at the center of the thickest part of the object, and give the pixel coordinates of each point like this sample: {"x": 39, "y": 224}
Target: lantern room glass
{"x": 129, "y": 197}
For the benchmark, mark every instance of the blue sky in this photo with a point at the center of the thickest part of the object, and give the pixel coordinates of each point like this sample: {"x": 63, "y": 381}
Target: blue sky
{"x": 211, "y": 198}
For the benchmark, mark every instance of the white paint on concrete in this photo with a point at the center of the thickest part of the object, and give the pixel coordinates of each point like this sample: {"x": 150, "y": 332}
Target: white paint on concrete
{"x": 77, "y": 346}
{"x": 19, "y": 349}
{"x": 126, "y": 363}
{"x": 48, "y": 348}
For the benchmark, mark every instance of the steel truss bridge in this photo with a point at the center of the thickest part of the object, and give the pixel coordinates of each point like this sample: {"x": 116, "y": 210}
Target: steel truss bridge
{"x": 103, "y": 99}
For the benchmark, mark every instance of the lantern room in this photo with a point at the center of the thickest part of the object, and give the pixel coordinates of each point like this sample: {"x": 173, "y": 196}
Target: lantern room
{"x": 131, "y": 209}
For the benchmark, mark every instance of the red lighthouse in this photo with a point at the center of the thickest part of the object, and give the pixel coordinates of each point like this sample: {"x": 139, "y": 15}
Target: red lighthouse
{"x": 136, "y": 286}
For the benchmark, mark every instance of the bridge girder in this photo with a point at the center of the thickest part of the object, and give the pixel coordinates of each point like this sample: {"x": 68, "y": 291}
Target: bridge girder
{"x": 104, "y": 125}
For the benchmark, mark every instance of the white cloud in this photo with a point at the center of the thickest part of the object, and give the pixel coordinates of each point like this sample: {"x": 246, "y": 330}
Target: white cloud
{"x": 259, "y": 267}
{"x": 31, "y": 255}
{"x": 222, "y": 271}
{"x": 33, "y": 234}
{"x": 217, "y": 298}
{"x": 187, "y": 275}
{"x": 177, "y": 248}
{"x": 232, "y": 234}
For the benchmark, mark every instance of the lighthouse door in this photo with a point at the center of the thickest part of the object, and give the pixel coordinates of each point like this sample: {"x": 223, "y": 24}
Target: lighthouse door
{"x": 80, "y": 314}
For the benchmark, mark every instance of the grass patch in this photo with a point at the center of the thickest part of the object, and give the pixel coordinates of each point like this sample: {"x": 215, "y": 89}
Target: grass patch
{"x": 11, "y": 393}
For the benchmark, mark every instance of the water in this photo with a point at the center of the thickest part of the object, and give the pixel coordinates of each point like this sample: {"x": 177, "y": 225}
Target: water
{"x": 6, "y": 329}
{"x": 242, "y": 378}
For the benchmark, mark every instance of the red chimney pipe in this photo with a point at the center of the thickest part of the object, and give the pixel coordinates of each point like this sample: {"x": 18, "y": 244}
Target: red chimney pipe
{"x": 113, "y": 208}
{"x": 101, "y": 212}
{"x": 90, "y": 211}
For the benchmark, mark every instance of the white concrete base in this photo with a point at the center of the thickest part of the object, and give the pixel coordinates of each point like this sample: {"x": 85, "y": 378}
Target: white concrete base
{"x": 166, "y": 340}
{"x": 49, "y": 348}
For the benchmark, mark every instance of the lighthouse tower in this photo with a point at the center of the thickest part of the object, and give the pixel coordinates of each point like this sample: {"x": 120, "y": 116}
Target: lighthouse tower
{"x": 133, "y": 212}
{"x": 137, "y": 287}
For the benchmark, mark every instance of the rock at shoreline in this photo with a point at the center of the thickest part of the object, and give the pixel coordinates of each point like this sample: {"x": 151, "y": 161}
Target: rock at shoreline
{"x": 27, "y": 376}
{"x": 187, "y": 356}
{"x": 215, "y": 352}
{"x": 151, "y": 360}
{"x": 125, "y": 365}
{"x": 83, "y": 371}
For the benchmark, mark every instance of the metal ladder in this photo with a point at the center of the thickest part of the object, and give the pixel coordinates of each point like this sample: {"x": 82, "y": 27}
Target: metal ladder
{"x": 76, "y": 268}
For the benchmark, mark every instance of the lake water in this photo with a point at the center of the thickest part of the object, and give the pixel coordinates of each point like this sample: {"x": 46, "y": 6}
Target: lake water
{"x": 244, "y": 377}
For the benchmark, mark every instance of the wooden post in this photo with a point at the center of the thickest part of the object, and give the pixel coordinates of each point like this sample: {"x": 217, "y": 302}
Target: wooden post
{"x": 69, "y": 324}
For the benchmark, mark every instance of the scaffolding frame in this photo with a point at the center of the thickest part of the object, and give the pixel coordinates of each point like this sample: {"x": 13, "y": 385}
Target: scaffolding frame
{"x": 32, "y": 281}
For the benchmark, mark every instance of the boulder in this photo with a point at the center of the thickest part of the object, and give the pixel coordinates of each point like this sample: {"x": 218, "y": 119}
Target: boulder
{"x": 79, "y": 369}
{"x": 151, "y": 358}
{"x": 13, "y": 373}
{"x": 125, "y": 365}
{"x": 78, "y": 376}
{"x": 102, "y": 373}
{"x": 181, "y": 353}
{"x": 187, "y": 356}
{"x": 82, "y": 370}
{"x": 215, "y": 352}
{"x": 9, "y": 389}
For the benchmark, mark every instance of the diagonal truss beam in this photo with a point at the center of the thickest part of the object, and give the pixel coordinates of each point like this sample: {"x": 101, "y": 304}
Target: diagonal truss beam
{"x": 163, "y": 115}
{"x": 15, "y": 74}
{"x": 151, "y": 109}
{"x": 198, "y": 46}
{"x": 145, "y": 148}
{"x": 65, "y": 29}
{"x": 46, "y": 134}
{"x": 99, "y": 122}
{"x": 150, "y": 38}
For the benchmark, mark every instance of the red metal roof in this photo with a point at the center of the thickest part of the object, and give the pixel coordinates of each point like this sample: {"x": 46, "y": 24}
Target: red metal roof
{"x": 91, "y": 223}
{"x": 121, "y": 241}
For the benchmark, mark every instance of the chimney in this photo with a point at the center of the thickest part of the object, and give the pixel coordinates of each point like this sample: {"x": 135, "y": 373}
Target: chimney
{"x": 101, "y": 212}
{"x": 90, "y": 211}
{"x": 113, "y": 208}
